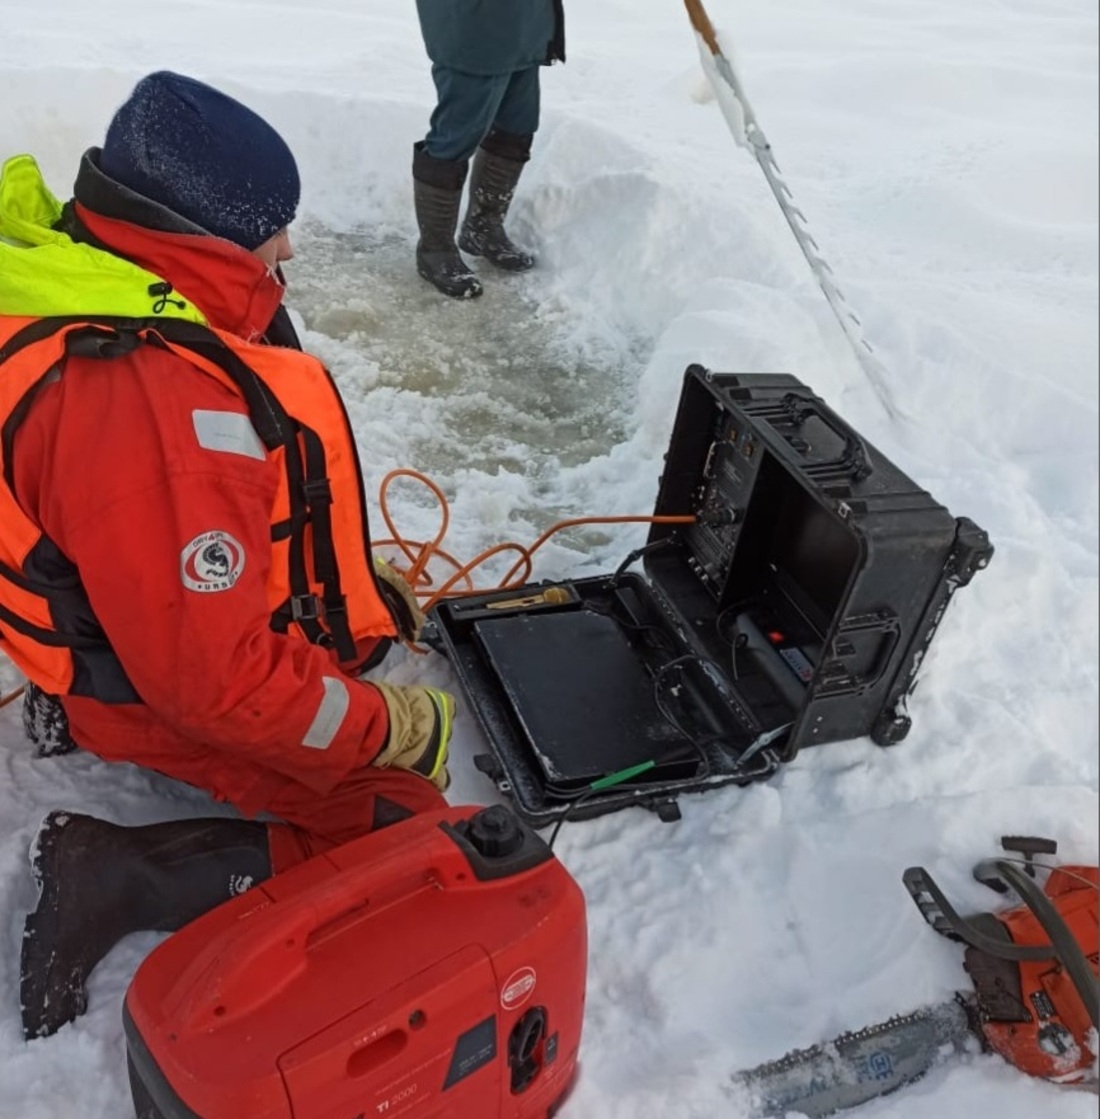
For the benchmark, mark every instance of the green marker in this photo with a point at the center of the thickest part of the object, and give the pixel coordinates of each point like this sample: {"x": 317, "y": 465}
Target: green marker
{"x": 621, "y": 775}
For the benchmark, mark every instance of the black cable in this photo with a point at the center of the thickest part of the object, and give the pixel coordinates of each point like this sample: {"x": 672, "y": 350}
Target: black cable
{"x": 664, "y": 639}
{"x": 735, "y": 644}
{"x": 633, "y": 557}
{"x": 659, "y": 682}
{"x": 739, "y": 606}
{"x": 737, "y": 641}
{"x": 577, "y": 802}
{"x": 696, "y": 741}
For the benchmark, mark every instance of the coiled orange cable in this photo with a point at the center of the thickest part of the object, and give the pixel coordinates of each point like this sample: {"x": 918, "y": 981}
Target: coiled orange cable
{"x": 420, "y": 554}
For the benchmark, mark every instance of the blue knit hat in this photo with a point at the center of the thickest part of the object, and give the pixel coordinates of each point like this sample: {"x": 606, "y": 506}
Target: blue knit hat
{"x": 205, "y": 156}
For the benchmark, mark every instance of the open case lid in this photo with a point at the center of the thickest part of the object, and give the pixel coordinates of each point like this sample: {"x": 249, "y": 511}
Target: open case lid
{"x": 819, "y": 564}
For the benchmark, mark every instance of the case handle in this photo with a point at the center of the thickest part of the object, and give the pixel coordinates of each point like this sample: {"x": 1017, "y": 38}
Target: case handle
{"x": 853, "y": 461}
{"x": 886, "y": 624}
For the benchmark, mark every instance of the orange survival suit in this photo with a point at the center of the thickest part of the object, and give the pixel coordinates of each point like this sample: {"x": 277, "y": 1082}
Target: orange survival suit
{"x": 190, "y": 497}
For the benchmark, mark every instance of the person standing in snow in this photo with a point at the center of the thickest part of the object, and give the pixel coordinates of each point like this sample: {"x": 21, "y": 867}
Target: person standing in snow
{"x": 186, "y": 574}
{"x": 485, "y": 58}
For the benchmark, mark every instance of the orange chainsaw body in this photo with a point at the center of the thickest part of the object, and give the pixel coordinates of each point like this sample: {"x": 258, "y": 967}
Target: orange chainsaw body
{"x": 1054, "y": 1043}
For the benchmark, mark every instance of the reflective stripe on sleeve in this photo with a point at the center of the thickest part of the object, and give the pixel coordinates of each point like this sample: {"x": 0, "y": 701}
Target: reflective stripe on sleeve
{"x": 334, "y": 706}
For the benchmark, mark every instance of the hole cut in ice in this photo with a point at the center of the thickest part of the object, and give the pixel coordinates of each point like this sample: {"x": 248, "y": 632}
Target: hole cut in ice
{"x": 493, "y": 382}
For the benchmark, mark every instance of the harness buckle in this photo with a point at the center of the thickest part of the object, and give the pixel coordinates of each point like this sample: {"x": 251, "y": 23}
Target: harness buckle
{"x": 305, "y": 607}
{"x": 101, "y": 342}
{"x": 317, "y": 491}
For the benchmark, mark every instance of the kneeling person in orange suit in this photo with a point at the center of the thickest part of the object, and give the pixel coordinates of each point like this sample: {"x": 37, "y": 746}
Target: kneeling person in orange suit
{"x": 186, "y": 574}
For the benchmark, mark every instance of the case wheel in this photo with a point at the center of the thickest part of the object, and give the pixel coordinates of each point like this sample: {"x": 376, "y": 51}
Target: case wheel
{"x": 889, "y": 730}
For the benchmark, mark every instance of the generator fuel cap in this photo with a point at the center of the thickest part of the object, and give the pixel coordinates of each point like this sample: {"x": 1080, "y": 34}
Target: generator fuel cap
{"x": 495, "y": 833}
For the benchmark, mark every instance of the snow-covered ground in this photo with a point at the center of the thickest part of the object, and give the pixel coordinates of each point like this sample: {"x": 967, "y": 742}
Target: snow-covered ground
{"x": 945, "y": 156}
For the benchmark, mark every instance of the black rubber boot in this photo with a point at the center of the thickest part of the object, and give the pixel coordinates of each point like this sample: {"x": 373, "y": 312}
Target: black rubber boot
{"x": 45, "y": 722}
{"x": 437, "y": 193}
{"x": 99, "y": 882}
{"x": 497, "y": 168}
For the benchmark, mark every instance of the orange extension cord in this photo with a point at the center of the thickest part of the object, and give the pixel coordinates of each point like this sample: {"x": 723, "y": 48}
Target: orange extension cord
{"x": 11, "y": 697}
{"x": 420, "y": 554}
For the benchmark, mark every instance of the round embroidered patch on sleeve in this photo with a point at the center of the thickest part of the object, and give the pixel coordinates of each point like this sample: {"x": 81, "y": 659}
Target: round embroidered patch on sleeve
{"x": 211, "y": 562}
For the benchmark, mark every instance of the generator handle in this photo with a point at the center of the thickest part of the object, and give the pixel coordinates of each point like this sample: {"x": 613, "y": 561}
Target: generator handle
{"x": 281, "y": 950}
{"x": 854, "y": 460}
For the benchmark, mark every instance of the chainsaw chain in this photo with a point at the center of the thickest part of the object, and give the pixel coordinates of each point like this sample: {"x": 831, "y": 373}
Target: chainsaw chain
{"x": 831, "y": 1049}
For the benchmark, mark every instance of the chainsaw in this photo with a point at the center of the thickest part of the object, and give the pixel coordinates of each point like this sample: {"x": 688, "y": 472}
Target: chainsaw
{"x": 1035, "y": 997}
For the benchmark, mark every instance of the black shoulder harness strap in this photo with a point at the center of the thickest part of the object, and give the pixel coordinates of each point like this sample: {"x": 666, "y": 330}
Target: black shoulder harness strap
{"x": 309, "y": 489}
{"x": 308, "y": 486}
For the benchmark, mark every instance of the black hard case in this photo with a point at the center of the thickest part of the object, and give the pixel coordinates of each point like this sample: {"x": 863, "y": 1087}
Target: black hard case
{"x": 798, "y": 608}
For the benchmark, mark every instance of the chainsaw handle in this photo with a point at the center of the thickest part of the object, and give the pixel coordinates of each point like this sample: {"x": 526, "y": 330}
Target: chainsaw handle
{"x": 1066, "y": 949}
{"x": 941, "y": 915}
{"x": 987, "y": 871}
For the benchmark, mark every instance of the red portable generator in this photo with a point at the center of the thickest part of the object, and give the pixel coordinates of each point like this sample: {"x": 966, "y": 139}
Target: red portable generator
{"x": 432, "y": 970}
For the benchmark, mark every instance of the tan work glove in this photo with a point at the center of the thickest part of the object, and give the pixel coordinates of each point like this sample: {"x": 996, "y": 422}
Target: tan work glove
{"x": 401, "y": 599}
{"x": 420, "y": 731}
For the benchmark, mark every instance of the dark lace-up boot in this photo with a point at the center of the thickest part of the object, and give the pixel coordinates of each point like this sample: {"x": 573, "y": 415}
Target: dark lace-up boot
{"x": 497, "y": 168}
{"x": 98, "y": 882}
